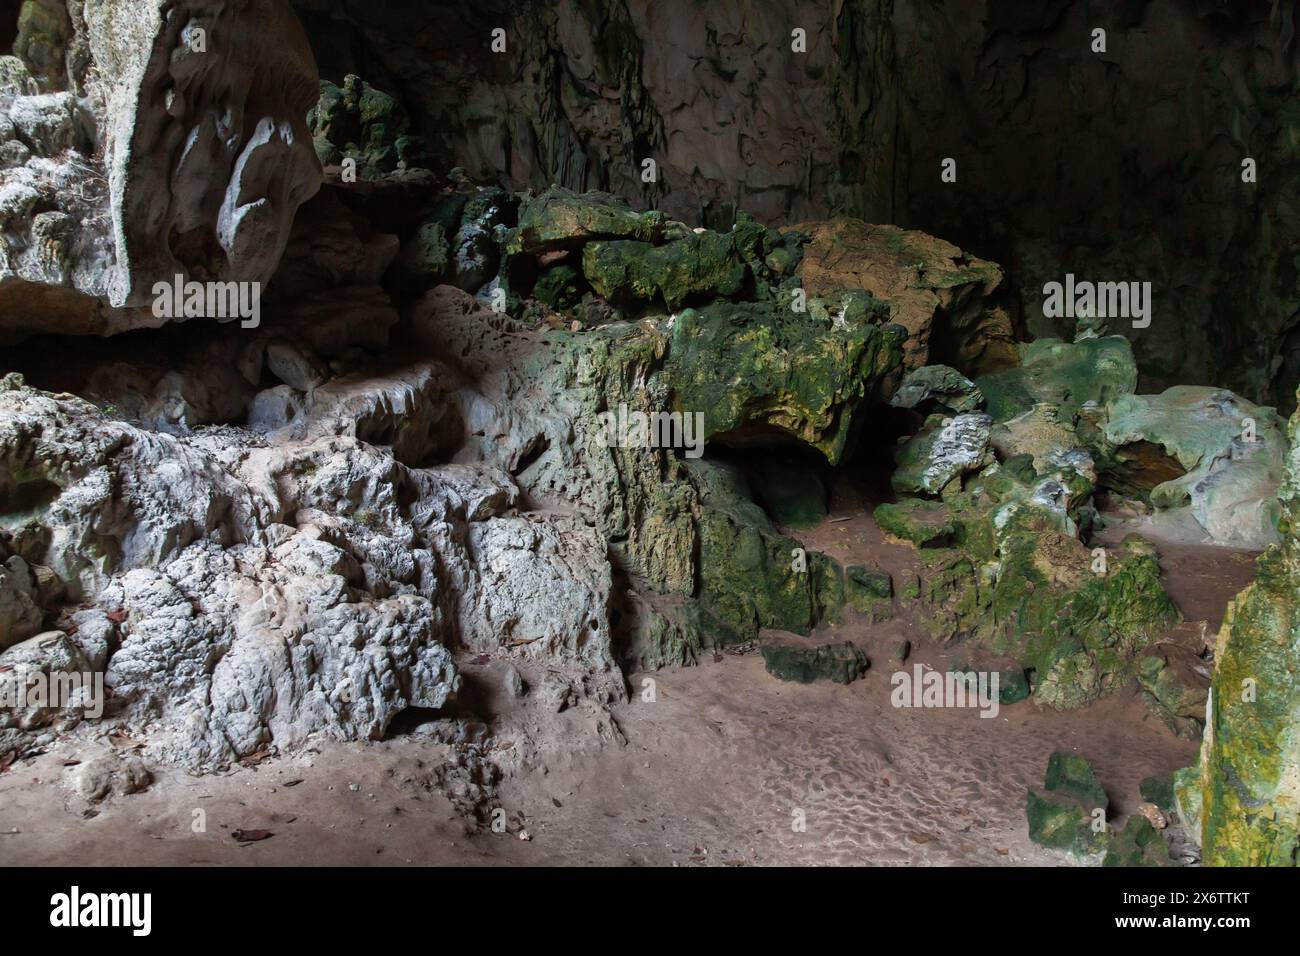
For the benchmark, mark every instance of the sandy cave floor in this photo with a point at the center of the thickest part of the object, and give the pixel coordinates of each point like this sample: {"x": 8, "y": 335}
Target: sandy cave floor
{"x": 712, "y": 773}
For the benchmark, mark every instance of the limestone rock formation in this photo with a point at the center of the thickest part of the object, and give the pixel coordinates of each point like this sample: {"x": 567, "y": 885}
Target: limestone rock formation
{"x": 938, "y": 385}
{"x": 942, "y": 296}
{"x": 1003, "y": 561}
{"x": 367, "y": 126}
{"x": 1097, "y": 370}
{"x": 1138, "y": 844}
{"x": 943, "y": 451}
{"x": 542, "y": 437}
{"x": 176, "y": 144}
{"x": 1243, "y": 798}
{"x": 1231, "y": 452}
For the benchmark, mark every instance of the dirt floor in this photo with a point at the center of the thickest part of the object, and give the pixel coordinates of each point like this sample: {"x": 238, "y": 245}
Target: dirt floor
{"x": 720, "y": 768}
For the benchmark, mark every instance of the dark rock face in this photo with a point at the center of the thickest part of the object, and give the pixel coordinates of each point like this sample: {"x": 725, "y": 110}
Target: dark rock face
{"x": 1062, "y": 153}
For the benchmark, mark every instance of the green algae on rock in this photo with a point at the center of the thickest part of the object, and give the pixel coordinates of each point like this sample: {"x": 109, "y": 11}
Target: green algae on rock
{"x": 626, "y": 272}
{"x": 1138, "y": 844}
{"x": 915, "y": 520}
{"x": 1249, "y": 781}
{"x": 751, "y": 576}
{"x": 560, "y": 287}
{"x": 561, "y": 219}
{"x": 1177, "y": 701}
{"x": 760, "y": 372}
{"x": 1158, "y": 789}
{"x": 1243, "y": 794}
{"x": 1013, "y": 685}
{"x": 359, "y": 122}
{"x": 806, "y": 663}
{"x": 1017, "y": 578}
{"x": 1097, "y": 370}
{"x": 1063, "y": 815}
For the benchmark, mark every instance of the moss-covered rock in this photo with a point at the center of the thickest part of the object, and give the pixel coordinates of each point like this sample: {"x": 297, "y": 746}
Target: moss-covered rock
{"x": 1016, "y": 577}
{"x": 1250, "y": 756}
{"x": 627, "y": 272}
{"x": 1097, "y": 370}
{"x": 560, "y": 287}
{"x": 1187, "y": 797}
{"x": 869, "y": 581}
{"x": 760, "y": 371}
{"x": 1138, "y": 844}
{"x": 916, "y": 520}
{"x": 1063, "y": 815}
{"x": 1062, "y": 823}
{"x": 869, "y": 590}
{"x": 1079, "y": 632}
{"x": 1177, "y": 699}
{"x": 424, "y": 259}
{"x": 751, "y": 576}
{"x": 1073, "y": 775}
{"x": 805, "y": 663}
{"x": 561, "y": 219}
{"x": 1243, "y": 796}
{"x": 359, "y": 122}
{"x": 1158, "y": 789}
{"x": 1013, "y": 685}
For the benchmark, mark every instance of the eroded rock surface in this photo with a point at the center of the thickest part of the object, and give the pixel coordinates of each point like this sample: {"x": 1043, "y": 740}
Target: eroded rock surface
{"x": 174, "y": 142}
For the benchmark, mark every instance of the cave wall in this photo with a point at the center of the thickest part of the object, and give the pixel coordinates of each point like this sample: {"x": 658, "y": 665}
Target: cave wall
{"x": 1116, "y": 166}
{"x": 144, "y": 139}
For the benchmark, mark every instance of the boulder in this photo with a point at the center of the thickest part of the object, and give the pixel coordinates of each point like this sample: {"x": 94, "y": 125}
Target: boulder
{"x": 1158, "y": 789}
{"x": 1063, "y": 814}
{"x": 364, "y": 124}
{"x": 759, "y": 372}
{"x": 944, "y": 298}
{"x": 807, "y": 663}
{"x": 942, "y": 452}
{"x": 1246, "y": 792}
{"x": 46, "y": 680}
{"x": 20, "y": 610}
{"x": 1096, "y": 370}
{"x": 937, "y": 385}
{"x": 1138, "y": 844}
{"x": 1230, "y": 451}
{"x": 559, "y": 218}
{"x": 915, "y": 520}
